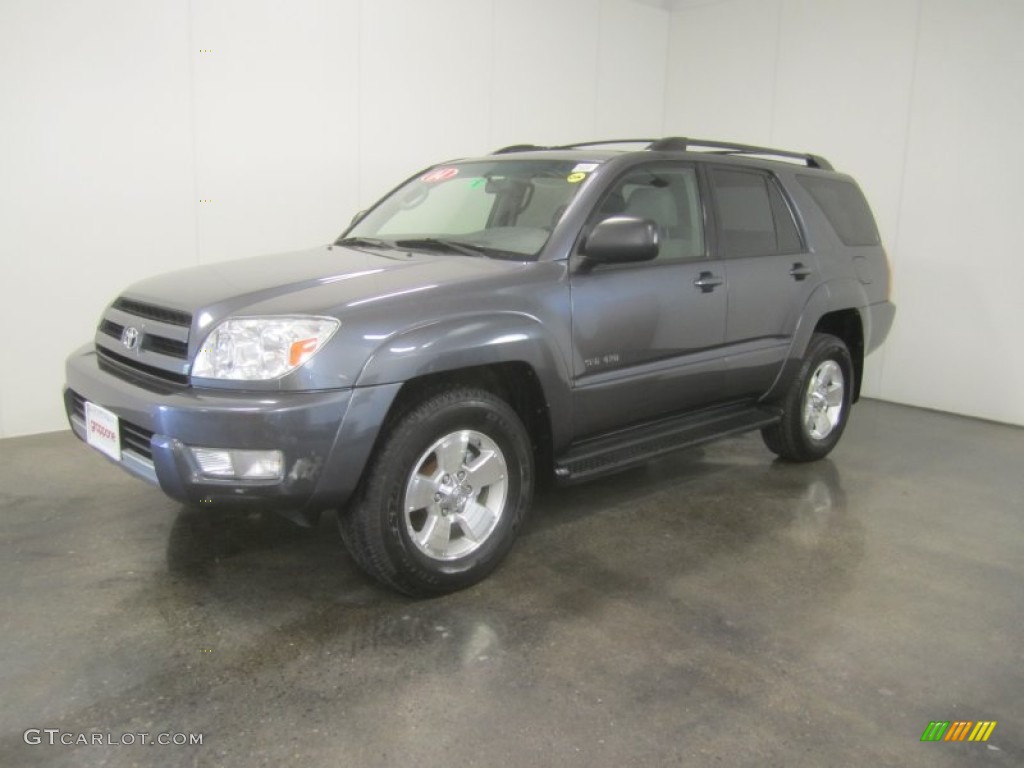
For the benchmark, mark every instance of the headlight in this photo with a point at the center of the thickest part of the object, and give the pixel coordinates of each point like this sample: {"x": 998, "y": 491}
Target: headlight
{"x": 261, "y": 348}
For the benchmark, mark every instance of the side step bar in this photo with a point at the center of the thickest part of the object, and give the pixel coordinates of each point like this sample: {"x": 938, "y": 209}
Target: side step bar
{"x": 618, "y": 450}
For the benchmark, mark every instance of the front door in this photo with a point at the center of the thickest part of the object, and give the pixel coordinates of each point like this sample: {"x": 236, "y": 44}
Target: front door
{"x": 648, "y": 337}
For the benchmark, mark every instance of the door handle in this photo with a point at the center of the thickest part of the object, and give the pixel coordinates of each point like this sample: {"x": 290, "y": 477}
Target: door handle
{"x": 707, "y": 282}
{"x": 799, "y": 271}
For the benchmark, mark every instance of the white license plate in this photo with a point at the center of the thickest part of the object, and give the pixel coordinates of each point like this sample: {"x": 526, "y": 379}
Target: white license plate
{"x": 102, "y": 430}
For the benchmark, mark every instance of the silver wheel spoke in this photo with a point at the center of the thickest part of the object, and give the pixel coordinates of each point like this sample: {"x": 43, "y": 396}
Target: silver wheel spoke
{"x": 451, "y": 452}
{"x": 436, "y": 534}
{"x": 485, "y": 470}
{"x": 420, "y": 493}
{"x": 476, "y": 520}
{"x": 834, "y": 395}
{"x": 809, "y": 418}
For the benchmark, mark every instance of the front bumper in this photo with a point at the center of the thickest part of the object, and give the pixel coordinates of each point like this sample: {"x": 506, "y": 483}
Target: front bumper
{"x": 326, "y": 437}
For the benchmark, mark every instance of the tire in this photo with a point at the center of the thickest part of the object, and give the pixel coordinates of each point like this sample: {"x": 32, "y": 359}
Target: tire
{"x": 444, "y": 495}
{"x": 817, "y": 405}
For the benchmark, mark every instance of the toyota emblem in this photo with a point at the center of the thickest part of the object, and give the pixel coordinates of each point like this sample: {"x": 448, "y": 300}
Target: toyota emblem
{"x": 130, "y": 337}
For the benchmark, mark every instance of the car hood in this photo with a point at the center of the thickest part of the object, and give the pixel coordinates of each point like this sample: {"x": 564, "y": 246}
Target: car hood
{"x": 323, "y": 279}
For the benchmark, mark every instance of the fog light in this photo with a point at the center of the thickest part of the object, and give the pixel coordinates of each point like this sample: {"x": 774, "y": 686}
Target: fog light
{"x": 230, "y": 464}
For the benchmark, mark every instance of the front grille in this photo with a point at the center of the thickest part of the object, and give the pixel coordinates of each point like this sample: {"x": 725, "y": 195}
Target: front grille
{"x": 77, "y": 404}
{"x": 164, "y": 346}
{"x": 152, "y": 312}
{"x": 111, "y": 328}
{"x": 115, "y": 359}
{"x": 161, "y": 351}
{"x": 150, "y": 341}
{"x": 136, "y": 439}
{"x": 133, "y": 437}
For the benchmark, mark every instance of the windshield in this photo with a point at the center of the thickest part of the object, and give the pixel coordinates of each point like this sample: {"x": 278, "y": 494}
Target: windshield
{"x": 502, "y": 207}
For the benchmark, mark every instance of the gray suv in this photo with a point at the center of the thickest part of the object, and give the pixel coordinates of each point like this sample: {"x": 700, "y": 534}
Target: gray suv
{"x": 538, "y": 312}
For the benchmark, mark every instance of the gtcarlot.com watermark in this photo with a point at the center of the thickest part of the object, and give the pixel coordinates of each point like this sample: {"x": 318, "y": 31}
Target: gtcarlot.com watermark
{"x": 55, "y": 736}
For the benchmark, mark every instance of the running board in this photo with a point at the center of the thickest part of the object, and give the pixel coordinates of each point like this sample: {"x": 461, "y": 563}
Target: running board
{"x": 618, "y": 450}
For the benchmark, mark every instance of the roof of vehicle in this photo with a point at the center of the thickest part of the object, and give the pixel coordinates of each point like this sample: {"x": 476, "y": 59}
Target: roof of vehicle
{"x": 609, "y": 148}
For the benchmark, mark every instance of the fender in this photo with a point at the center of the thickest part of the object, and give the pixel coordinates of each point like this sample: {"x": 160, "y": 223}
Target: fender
{"x": 478, "y": 339}
{"x": 832, "y": 295}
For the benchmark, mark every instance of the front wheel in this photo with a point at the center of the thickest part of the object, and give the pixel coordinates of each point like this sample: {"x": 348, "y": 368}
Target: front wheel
{"x": 444, "y": 495}
{"x": 817, "y": 405}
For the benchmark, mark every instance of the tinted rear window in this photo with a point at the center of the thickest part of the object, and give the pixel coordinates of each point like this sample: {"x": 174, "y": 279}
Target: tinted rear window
{"x": 754, "y": 220}
{"x": 845, "y": 208}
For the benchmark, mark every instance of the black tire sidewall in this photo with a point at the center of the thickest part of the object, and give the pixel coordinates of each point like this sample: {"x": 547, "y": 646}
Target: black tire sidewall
{"x": 411, "y": 437}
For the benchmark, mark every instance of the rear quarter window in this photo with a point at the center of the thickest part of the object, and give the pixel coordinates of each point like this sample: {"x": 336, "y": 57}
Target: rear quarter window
{"x": 844, "y": 206}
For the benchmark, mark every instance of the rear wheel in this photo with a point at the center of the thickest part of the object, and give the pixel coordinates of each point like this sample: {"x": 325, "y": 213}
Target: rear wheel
{"x": 444, "y": 495}
{"x": 817, "y": 405}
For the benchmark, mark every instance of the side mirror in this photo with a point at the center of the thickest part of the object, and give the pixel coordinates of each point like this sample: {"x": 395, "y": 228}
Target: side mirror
{"x": 621, "y": 240}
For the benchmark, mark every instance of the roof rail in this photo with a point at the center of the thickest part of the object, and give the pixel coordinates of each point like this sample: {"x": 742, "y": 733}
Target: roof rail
{"x": 607, "y": 141}
{"x": 518, "y": 148}
{"x": 679, "y": 144}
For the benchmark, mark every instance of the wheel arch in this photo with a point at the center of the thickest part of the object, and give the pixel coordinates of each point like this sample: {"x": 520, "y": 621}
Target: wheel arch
{"x": 834, "y": 308}
{"x": 515, "y": 382}
{"x": 846, "y": 324}
{"x": 508, "y": 354}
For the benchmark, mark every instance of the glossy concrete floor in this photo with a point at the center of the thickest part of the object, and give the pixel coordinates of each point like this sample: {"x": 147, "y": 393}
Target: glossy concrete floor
{"x": 714, "y": 608}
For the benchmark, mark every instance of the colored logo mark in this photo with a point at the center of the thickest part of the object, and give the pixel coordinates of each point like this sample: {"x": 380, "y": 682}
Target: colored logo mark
{"x": 440, "y": 174}
{"x": 958, "y": 730}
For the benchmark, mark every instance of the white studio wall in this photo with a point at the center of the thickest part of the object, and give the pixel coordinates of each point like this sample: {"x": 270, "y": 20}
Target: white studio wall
{"x": 921, "y": 101}
{"x": 145, "y": 137}
{"x": 275, "y": 91}
{"x": 97, "y": 182}
{"x": 455, "y": 77}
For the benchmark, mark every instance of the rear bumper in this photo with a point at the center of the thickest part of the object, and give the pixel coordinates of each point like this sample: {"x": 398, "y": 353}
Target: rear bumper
{"x": 879, "y": 320}
{"x": 325, "y": 437}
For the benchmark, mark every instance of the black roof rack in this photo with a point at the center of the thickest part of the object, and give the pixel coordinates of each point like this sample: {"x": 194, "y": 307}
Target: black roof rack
{"x": 681, "y": 144}
{"x": 518, "y": 148}
{"x": 535, "y": 147}
{"x": 607, "y": 141}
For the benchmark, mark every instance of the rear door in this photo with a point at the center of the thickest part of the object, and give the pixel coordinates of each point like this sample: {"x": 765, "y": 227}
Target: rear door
{"x": 648, "y": 336}
{"x": 770, "y": 271}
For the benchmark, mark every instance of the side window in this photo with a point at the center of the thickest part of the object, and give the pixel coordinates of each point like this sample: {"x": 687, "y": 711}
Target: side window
{"x": 670, "y": 197}
{"x": 787, "y": 236}
{"x": 753, "y": 217}
{"x": 845, "y": 207}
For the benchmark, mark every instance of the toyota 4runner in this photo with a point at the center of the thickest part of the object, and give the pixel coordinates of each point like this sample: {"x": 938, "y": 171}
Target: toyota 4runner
{"x": 541, "y": 311}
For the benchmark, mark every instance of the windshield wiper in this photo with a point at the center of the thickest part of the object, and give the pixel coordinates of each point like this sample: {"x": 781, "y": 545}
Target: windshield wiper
{"x": 365, "y": 242}
{"x": 466, "y": 249}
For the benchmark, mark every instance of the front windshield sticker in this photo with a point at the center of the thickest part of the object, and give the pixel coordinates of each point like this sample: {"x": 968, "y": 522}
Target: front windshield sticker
{"x": 440, "y": 174}
{"x": 477, "y": 183}
{"x": 575, "y": 178}
{"x": 584, "y": 167}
